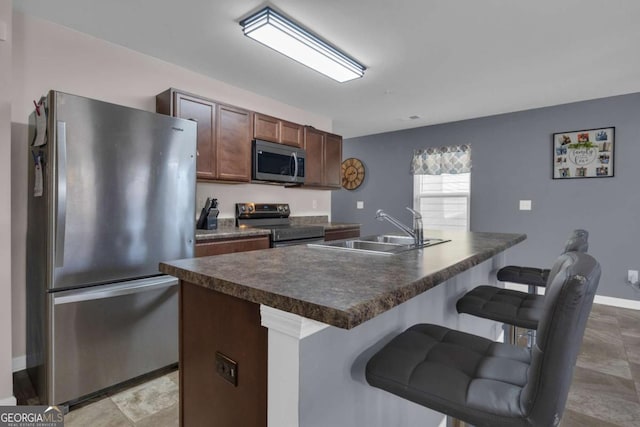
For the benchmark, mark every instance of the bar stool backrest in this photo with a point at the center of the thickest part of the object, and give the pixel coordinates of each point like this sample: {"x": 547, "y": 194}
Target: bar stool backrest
{"x": 568, "y": 299}
{"x": 578, "y": 242}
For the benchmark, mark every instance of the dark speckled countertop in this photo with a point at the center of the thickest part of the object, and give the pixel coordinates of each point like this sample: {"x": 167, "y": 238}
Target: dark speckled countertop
{"x": 342, "y": 289}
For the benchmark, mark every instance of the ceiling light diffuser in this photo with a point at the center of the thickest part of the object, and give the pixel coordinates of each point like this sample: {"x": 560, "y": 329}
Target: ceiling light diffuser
{"x": 290, "y": 39}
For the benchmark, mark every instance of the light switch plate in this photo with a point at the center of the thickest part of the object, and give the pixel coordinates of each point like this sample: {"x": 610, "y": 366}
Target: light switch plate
{"x": 360, "y": 204}
{"x": 525, "y": 205}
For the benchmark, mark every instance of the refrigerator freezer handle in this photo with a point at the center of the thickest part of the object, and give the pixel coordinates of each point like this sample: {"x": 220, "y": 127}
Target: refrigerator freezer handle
{"x": 61, "y": 214}
{"x": 115, "y": 290}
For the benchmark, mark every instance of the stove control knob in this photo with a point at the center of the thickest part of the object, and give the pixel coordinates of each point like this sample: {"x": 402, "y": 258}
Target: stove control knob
{"x": 243, "y": 208}
{"x": 280, "y": 208}
{"x": 250, "y": 208}
{"x": 286, "y": 208}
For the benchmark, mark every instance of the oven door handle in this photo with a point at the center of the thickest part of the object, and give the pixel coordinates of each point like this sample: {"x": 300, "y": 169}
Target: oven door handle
{"x": 295, "y": 168}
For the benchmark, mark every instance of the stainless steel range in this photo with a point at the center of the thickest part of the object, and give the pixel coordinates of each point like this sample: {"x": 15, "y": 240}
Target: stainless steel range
{"x": 275, "y": 217}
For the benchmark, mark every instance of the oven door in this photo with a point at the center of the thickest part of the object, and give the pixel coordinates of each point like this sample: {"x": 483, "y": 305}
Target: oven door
{"x": 296, "y": 242}
{"x": 276, "y": 162}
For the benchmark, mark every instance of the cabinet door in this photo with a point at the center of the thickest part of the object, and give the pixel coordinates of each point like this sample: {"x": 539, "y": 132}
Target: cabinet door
{"x": 345, "y": 233}
{"x": 266, "y": 127}
{"x": 314, "y": 163}
{"x": 332, "y": 160}
{"x": 202, "y": 112}
{"x": 233, "y": 159}
{"x": 291, "y": 134}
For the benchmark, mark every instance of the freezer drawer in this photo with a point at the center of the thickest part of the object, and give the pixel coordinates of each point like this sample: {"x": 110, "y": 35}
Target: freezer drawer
{"x": 105, "y": 335}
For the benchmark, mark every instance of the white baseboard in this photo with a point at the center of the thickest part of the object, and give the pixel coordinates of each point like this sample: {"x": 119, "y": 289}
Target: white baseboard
{"x": 8, "y": 401}
{"x": 617, "y": 302}
{"x": 599, "y": 299}
{"x": 19, "y": 363}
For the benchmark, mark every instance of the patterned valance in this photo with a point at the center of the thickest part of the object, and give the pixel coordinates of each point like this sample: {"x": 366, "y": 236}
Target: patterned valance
{"x": 439, "y": 160}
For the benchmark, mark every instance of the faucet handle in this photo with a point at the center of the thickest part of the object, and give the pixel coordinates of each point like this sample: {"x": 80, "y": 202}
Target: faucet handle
{"x": 417, "y": 226}
{"x": 415, "y": 213}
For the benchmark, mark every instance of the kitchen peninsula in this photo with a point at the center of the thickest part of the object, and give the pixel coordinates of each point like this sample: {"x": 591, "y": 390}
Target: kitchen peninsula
{"x": 308, "y": 319}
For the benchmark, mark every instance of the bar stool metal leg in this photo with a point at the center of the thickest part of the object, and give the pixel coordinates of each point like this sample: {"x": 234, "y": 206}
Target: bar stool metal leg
{"x": 510, "y": 334}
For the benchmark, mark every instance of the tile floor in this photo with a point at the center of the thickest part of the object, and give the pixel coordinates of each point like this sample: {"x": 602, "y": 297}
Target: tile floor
{"x": 153, "y": 403}
{"x": 606, "y": 382}
{"x": 605, "y": 390}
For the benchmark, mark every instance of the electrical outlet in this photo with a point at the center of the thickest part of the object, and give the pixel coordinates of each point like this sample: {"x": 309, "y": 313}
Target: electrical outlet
{"x": 360, "y": 204}
{"x": 314, "y": 204}
{"x": 227, "y": 368}
{"x": 525, "y": 205}
{"x": 632, "y": 276}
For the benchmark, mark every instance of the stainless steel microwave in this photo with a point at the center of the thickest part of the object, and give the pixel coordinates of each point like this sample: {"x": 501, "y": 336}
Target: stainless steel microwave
{"x": 277, "y": 163}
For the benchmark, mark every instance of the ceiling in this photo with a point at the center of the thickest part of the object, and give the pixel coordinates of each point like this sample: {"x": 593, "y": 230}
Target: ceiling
{"x": 441, "y": 60}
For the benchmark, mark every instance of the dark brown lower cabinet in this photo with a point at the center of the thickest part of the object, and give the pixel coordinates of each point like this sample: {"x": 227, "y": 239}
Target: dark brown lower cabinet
{"x": 342, "y": 233}
{"x": 213, "y": 322}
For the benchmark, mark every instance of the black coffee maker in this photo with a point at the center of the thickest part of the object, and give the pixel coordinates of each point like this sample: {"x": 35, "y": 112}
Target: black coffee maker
{"x": 209, "y": 215}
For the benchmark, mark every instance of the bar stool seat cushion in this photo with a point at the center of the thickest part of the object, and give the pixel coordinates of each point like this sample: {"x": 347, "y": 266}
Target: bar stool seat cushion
{"x": 503, "y": 305}
{"x": 524, "y": 275}
{"x": 443, "y": 369}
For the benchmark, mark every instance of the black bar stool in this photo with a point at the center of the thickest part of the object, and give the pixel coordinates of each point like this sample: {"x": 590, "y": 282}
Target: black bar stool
{"x": 516, "y": 308}
{"x": 537, "y": 277}
{"x": 485, "y": 383}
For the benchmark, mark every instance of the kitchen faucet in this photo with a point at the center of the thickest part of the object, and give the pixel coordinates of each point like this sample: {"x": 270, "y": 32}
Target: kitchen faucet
{"x": 416, "y": 233}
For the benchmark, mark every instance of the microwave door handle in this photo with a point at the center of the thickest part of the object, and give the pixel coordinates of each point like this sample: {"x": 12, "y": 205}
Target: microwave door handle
{"x": 295, "y": 170}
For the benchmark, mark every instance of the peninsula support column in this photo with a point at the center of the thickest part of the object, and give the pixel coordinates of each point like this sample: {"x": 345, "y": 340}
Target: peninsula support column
{"x": 283, "y": 391}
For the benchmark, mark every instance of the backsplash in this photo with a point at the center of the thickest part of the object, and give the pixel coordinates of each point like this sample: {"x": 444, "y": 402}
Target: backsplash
{"x": 303, "y": 202}
{"x": 226, "y": 222}
{"x": 311, "y": 219}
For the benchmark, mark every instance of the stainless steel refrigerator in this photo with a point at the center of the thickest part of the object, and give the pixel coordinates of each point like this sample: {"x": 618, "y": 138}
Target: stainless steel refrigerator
{"x": 118, "y": 197}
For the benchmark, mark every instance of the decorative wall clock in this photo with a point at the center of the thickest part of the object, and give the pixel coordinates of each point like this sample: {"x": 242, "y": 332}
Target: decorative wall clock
{"x": 352, "y": 173}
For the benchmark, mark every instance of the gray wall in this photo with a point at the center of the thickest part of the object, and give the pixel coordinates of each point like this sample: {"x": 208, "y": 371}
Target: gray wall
{"x": 512, "y": 157}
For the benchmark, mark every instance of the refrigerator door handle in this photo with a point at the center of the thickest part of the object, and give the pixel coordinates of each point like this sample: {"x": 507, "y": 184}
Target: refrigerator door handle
{"x": 61, "y": 214}
{"x": 114, "y": 290}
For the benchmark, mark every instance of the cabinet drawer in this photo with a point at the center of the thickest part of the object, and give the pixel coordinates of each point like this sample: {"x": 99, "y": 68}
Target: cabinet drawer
{"x": 227, "y": 246}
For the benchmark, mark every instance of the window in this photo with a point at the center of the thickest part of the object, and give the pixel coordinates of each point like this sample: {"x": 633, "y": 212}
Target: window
{"x": 443, "y": 200}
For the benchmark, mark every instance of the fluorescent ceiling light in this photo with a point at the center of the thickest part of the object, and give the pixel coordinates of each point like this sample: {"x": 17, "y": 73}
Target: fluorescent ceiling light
{"x": 279, "y": 33}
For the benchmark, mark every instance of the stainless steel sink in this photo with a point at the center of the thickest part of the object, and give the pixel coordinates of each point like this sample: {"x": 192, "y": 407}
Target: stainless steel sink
{"x": 384, "y": 244}
{"x": 364, "y": 245}
{"x": 389, "y": 238}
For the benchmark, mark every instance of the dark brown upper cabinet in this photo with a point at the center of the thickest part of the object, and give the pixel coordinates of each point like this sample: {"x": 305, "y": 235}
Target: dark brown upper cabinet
{"x": 323, "y": 158}
{"x": 224, "y": 134}
{"x": 276, "y": 130}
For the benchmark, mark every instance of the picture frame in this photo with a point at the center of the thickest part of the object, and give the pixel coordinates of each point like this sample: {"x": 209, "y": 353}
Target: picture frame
{"x": 587, "y": 153}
